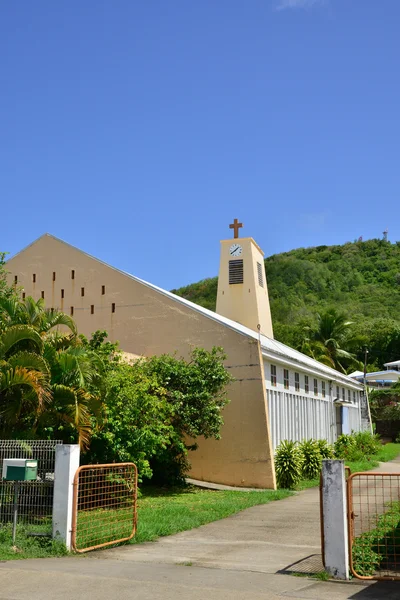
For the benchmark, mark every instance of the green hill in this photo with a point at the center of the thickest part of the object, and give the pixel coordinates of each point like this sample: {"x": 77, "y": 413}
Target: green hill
{"x": 361, "y": 279}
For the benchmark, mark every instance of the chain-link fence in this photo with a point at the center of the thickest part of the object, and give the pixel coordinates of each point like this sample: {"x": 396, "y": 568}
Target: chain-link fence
{"x": 35, "y": 498}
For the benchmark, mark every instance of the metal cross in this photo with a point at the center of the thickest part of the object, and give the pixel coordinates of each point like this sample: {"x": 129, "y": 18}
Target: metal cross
{"x": 235, "y": 226}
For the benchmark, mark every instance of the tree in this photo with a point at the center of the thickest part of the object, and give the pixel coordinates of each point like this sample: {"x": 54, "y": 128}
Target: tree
{"x": 64, "y": 376}
{"x": 24, "y": 379}
{"x": 325, "y": 340}
{"x": 153, "y": 406}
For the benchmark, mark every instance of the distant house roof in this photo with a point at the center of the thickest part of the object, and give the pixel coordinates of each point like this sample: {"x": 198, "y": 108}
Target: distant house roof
{"x": 270, "y": 348}
{"x": 395, "y": 363}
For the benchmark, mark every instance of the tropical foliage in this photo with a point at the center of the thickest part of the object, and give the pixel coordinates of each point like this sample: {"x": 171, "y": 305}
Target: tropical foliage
{"x": 155, "y": 408}
{"x": 50, "y": 384}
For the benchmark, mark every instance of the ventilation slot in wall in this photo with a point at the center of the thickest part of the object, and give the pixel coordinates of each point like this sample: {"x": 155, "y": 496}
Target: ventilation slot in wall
{"x": 15, "y": 278}
{"x": 82, "y": 291}
{"x": 113, "y": 307}
{"x": 54, "y": 275}
{"x": 103, "y": 290}
{"x": 236, "y": 271}
{"x": 62, "y": 293}
{"x": 43, "y": 295}
{"x": 72, "y": 311}
{"x": 23, "y": 295}
{"x": 92, "y": 309}
{"x": 260, "y": 274}
{"x": 72, "y": 274}
{"x": 34, "y": 278}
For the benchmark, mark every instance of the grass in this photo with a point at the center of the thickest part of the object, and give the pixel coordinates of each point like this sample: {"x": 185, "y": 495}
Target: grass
{"x": 164, "y": 512}
{"x": 386, "y": 453}
{"x": 160, "y": 512}
{"x": 28, "y": 545}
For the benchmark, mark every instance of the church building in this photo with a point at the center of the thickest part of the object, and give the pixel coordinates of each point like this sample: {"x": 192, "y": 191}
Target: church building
{"x": 278, "y": 393}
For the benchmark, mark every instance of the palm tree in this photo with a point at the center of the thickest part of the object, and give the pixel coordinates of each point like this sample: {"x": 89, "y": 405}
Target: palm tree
{"x": 325, "y": 341}
{"x": 67, "y": 376}
{"x": 24, "y": 377}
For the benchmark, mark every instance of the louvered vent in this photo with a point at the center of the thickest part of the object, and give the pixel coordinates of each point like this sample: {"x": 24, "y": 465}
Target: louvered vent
{"x": 236, "y": 271}
{"x": 260, "y": 274}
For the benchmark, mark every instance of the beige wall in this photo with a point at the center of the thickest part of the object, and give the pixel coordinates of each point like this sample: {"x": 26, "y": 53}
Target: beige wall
{"x": 247, "y": 302}
{"x": 147, "y": 322}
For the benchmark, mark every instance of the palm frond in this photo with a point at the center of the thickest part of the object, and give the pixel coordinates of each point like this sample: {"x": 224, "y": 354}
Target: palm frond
{"x": 29, "y": 360}
{"x": 55, "y": 318}
{"x": 18, "y": 333}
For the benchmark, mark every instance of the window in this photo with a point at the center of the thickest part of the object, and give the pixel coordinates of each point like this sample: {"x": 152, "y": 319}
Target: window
{"x": 337, "y": 392}
{"x": 103, "y": 290}
{"x": 43, "y": 294}
{"x": 62, "y": 293}
{"x": 297, "y": 382}
{"x": 315, "y": 387}
{"x": 286, "y": 379}
{"x": 54, "y": 275}
{"x": 273, "y": 375}
{"x": 82, "y": 291}
{"x": 72, "y": 311}
{"x": 323, "y": 389}
{"x": 92, "y": 309}
{"x": 306, "y": 384}
{"x": 260, "y": 275}
{"x": 235, "y": 271}
{"x": 354, "y": 398}
{"x": 34, "y": 278}
{"x": 349, "y": 395}
{"x": 113, "y": 307}
{"x": 343, "y": 394}
{"x": 72, "y": 274}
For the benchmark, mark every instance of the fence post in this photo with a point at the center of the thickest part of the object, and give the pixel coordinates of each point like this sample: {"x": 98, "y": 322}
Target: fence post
{"x": 67, "y": 462}
{"x": 334, "y": 511}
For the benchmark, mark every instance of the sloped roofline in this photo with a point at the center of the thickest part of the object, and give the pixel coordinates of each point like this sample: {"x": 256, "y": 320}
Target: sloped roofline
{"x": 270, "y": 348}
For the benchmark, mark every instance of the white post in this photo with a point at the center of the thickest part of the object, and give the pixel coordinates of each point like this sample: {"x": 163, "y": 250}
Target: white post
{"x": 67, "y": 462}
{"x": 334, "y": 507}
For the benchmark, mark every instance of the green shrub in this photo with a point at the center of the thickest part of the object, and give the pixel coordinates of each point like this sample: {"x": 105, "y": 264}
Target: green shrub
{"x": 325, "y": 449}
{"x": 312, "y": 459}
{"x": 288, "y": 464}
{"x": 345, "y": 446}
{"x": 367, "y": 443}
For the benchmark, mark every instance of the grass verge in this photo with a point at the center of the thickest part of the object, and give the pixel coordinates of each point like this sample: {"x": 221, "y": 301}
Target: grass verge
{"x": 164, "y": 512}
{"x": 160, "y": 512}
{"x": 386, "y": 453}
{"x": 27, "y": 544}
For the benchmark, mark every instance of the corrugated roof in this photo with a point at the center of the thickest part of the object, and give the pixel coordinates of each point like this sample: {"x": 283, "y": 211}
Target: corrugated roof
{"x": 268, "y": 346}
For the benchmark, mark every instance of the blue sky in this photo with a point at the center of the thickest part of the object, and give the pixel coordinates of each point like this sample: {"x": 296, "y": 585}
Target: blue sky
{"x": 138, "y": 130}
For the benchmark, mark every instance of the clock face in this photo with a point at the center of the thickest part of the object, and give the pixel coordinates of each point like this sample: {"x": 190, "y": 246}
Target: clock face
{"x": 235, "y": 250}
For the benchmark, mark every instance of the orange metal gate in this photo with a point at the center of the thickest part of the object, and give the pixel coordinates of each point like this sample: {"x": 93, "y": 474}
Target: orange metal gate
{"x": 104, "y": 505}
{"x": 373, "y": 502}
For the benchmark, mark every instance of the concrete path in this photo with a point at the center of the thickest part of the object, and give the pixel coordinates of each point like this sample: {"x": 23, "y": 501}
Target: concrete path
{"x": 246, "y": 556}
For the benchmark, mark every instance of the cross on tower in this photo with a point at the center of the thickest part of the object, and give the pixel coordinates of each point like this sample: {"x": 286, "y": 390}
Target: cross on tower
{"x": 235, "y": 226}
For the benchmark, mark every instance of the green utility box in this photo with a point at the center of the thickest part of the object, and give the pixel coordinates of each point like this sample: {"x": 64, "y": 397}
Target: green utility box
{"x": 19, "y": 469}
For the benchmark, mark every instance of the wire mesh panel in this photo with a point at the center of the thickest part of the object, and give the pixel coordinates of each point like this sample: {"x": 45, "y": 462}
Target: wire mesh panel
{"x": 35, "y": 498}
{"x": 374, "y": 525}
{"x": 104, "y": 509}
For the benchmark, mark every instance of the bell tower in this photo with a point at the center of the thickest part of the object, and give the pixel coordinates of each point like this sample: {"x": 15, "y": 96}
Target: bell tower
{"x": 242, "y": 285}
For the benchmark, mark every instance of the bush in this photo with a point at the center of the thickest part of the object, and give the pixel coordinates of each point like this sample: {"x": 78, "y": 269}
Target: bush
{"x": 288, "y": 464}
{"x": 345, "y": 446}
{"x": 357, "y": 445}
{"x": 367, "y": 443}
{"x": 325, "y": 449}
{"x": 311, "y": 459}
